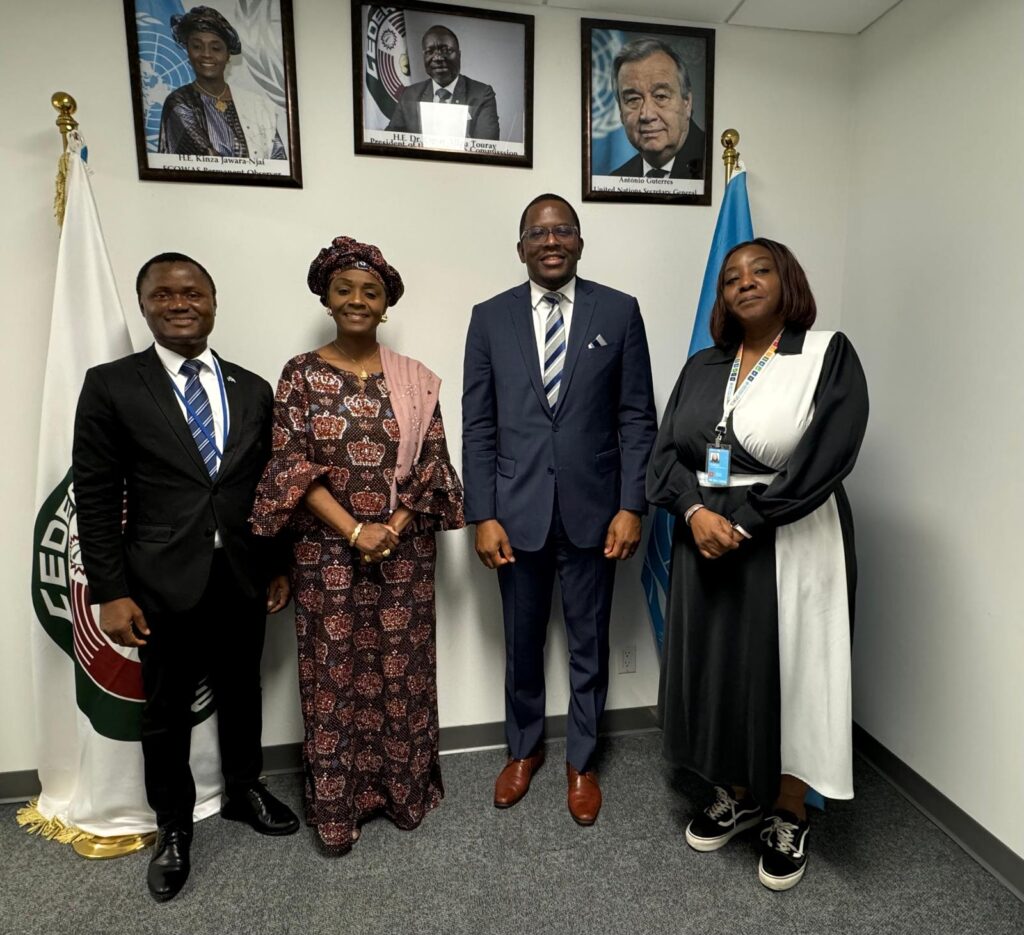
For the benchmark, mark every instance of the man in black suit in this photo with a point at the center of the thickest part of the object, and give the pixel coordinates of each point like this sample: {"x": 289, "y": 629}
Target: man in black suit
{"x": 169, "y": 445}
{"x": 442, "y": 60}
{"x": 655, "y": 99}
{"x": 557, "y": 426}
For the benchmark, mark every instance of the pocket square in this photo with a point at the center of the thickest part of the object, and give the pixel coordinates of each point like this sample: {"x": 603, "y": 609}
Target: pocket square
{"x": 599, "y": 341}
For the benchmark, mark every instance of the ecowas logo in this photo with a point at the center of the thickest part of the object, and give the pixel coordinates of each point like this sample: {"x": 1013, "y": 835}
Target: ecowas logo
{"x": 387, "y": 61}
{"x": 108, "y": 678}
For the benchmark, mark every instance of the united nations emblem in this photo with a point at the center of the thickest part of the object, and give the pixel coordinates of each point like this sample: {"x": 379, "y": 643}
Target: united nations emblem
{"x": 604, "y": 106}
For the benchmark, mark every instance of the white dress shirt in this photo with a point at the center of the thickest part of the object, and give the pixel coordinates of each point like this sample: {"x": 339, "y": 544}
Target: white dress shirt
{"x": 541, "y": 309}
{"x": 667, "y": 168}
{"x": 172, "y": 362}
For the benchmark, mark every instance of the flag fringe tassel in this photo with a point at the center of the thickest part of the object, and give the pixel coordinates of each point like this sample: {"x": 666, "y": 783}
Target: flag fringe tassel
{"x": 53, "y": 829}
{"x": 60, "y": 198}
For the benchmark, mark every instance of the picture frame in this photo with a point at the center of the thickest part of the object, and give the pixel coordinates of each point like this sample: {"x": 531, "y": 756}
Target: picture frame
{"x": 646, "y": 137}
{"x": 486, "y": 118}
{"x": 214, "y": 93}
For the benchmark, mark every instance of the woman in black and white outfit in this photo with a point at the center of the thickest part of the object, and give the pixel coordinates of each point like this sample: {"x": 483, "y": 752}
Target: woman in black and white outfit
{"x": 756, "y": 439}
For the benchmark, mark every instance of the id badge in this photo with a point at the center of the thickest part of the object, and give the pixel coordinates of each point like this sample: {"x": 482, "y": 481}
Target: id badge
{"x": 717, "y": 468}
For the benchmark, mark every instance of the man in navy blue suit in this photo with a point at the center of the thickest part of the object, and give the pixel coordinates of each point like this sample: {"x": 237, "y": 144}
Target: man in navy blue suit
{"x": 557, "y": 425}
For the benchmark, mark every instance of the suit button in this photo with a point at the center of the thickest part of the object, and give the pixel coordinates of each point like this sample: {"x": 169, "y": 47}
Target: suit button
{"x": 551, "y": 470}
{"x": 209, "y": 531}
{"x": 554, "y": 427}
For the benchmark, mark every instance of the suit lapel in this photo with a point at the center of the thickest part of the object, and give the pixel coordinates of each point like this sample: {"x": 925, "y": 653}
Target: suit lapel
{"x": 235, "y": 416}
{"x": 427, "y": 94}
{"x": 522, "y": 323}
{"x": 582, "y": 313}
{"x": 460, "y": 94}
{"x": 153, "y": 375}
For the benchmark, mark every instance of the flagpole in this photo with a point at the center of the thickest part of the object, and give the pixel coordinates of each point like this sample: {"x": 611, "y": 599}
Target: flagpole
{"x": 730, "y": 157}
{"x": 47, "y": 823}
{"x": 65, "y": 105}
{"x": 733, "y": 226}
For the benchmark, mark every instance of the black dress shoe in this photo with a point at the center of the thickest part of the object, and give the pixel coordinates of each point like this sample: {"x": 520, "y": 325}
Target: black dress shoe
{"x": 169, "y": 866}
{"x": 257, "y": 807}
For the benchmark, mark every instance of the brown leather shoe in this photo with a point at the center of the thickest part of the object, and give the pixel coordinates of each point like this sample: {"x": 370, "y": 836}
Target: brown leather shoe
{"x": 514, "y": 780}
{"x": 584, "y": 795}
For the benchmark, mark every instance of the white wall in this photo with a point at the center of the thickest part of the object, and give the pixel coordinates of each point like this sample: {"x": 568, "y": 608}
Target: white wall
{"x": 449, "y": 228}
{"x": 903, "y": 140}
{"x": 933, "y": 302}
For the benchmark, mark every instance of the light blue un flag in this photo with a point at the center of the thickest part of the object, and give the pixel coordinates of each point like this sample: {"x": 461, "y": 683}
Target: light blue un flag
{"x": 733, "y": 227}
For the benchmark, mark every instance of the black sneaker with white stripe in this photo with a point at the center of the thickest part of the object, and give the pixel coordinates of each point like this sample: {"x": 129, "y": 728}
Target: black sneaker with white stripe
{"x": 783, "y": 851}
{"x": 722, "y": 820}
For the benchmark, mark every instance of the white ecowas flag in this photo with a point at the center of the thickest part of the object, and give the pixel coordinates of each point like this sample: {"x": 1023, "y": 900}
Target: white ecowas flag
{"x": 88, "y": 692}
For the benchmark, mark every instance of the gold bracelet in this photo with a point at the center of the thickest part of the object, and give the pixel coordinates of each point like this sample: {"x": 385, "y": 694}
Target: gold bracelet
{"x": 355, "y": 534}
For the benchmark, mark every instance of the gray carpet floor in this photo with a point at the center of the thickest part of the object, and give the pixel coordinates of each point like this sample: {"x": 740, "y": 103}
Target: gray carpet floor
{"x": 876, "y": 866}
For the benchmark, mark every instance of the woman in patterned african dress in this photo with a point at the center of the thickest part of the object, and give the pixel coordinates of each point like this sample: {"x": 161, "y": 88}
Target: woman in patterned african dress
{"x": 360, "y": 476}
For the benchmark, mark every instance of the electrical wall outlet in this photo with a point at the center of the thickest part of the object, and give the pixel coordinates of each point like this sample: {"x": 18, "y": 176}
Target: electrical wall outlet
{"x": 627, "y": 659}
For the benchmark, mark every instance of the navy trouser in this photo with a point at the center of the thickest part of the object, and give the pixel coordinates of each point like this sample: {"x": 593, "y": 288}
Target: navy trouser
{"x": 586, "y": 579}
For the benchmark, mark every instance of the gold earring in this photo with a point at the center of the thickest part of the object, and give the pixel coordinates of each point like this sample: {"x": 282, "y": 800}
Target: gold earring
{"x": 383, "y": 318}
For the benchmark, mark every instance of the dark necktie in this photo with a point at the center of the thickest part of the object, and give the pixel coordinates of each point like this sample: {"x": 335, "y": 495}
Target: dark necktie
{"x": 554, "y": 347}
{"x": 656, "y": 173}
{"x": 443, "y": 95}
{"x": 199, "y": 415}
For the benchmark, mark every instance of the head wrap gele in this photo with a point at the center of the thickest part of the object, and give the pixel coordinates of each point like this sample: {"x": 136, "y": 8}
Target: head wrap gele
{"x": 204, "y": 19}
{"x": 348, "y": 253}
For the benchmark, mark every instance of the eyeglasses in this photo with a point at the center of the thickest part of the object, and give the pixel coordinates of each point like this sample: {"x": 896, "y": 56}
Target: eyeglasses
{"x": 563, "y": 232}
{"x": 445, "y": 51}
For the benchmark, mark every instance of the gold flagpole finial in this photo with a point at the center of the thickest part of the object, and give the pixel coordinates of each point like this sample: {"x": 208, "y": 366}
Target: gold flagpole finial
{"x": 730, "y": 157}
{"x": 65, "y": 106}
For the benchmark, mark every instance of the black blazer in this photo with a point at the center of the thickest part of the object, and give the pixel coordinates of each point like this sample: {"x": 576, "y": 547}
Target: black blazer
{"x": 482, "y": 123}
{"x": 689, "y": 162}
{"x": 133, "y": 455}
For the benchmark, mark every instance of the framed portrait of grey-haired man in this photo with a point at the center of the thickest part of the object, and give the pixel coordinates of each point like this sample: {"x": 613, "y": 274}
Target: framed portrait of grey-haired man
{"x": 648, "y": 93}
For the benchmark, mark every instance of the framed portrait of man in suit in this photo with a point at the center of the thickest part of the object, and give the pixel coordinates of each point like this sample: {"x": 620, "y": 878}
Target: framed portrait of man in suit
{"x": 648, "y": 94}
{"x": 433, "y": 81}
{"x": 213, "y": 91}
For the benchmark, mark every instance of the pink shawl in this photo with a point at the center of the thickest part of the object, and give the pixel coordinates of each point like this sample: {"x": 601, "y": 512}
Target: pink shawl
{"x": 414, "y": 393}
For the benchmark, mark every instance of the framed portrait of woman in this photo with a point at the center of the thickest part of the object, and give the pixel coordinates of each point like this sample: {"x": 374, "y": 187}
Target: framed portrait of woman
{"x": 213, "y": 91}
{"x": 435, "y": 81}
{"x": 648, "y": 108}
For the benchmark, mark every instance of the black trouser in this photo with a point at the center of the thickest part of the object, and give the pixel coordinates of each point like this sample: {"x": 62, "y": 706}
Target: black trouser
{"x": 221, "y": 638}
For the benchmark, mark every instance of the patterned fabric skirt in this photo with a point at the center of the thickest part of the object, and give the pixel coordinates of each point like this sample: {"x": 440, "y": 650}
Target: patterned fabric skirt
{"x": 368, "y": 684}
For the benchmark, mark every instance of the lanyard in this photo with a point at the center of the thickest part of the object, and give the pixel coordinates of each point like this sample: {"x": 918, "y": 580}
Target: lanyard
{"x": 223, "y": 409}
{"x": 734, "y": 394}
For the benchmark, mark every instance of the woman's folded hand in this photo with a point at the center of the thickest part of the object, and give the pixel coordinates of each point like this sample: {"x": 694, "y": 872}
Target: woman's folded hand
{"x": 713, "y": 534}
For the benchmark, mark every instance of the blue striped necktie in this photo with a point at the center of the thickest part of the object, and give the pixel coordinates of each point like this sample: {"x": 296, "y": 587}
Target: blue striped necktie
{"x": 554, "y": 347}
{"x": 199, "y": 415}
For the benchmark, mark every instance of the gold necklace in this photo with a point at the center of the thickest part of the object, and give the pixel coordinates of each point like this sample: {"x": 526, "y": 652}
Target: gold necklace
{"x": 363, "y": 375}
{"x": 218, "y": 99}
